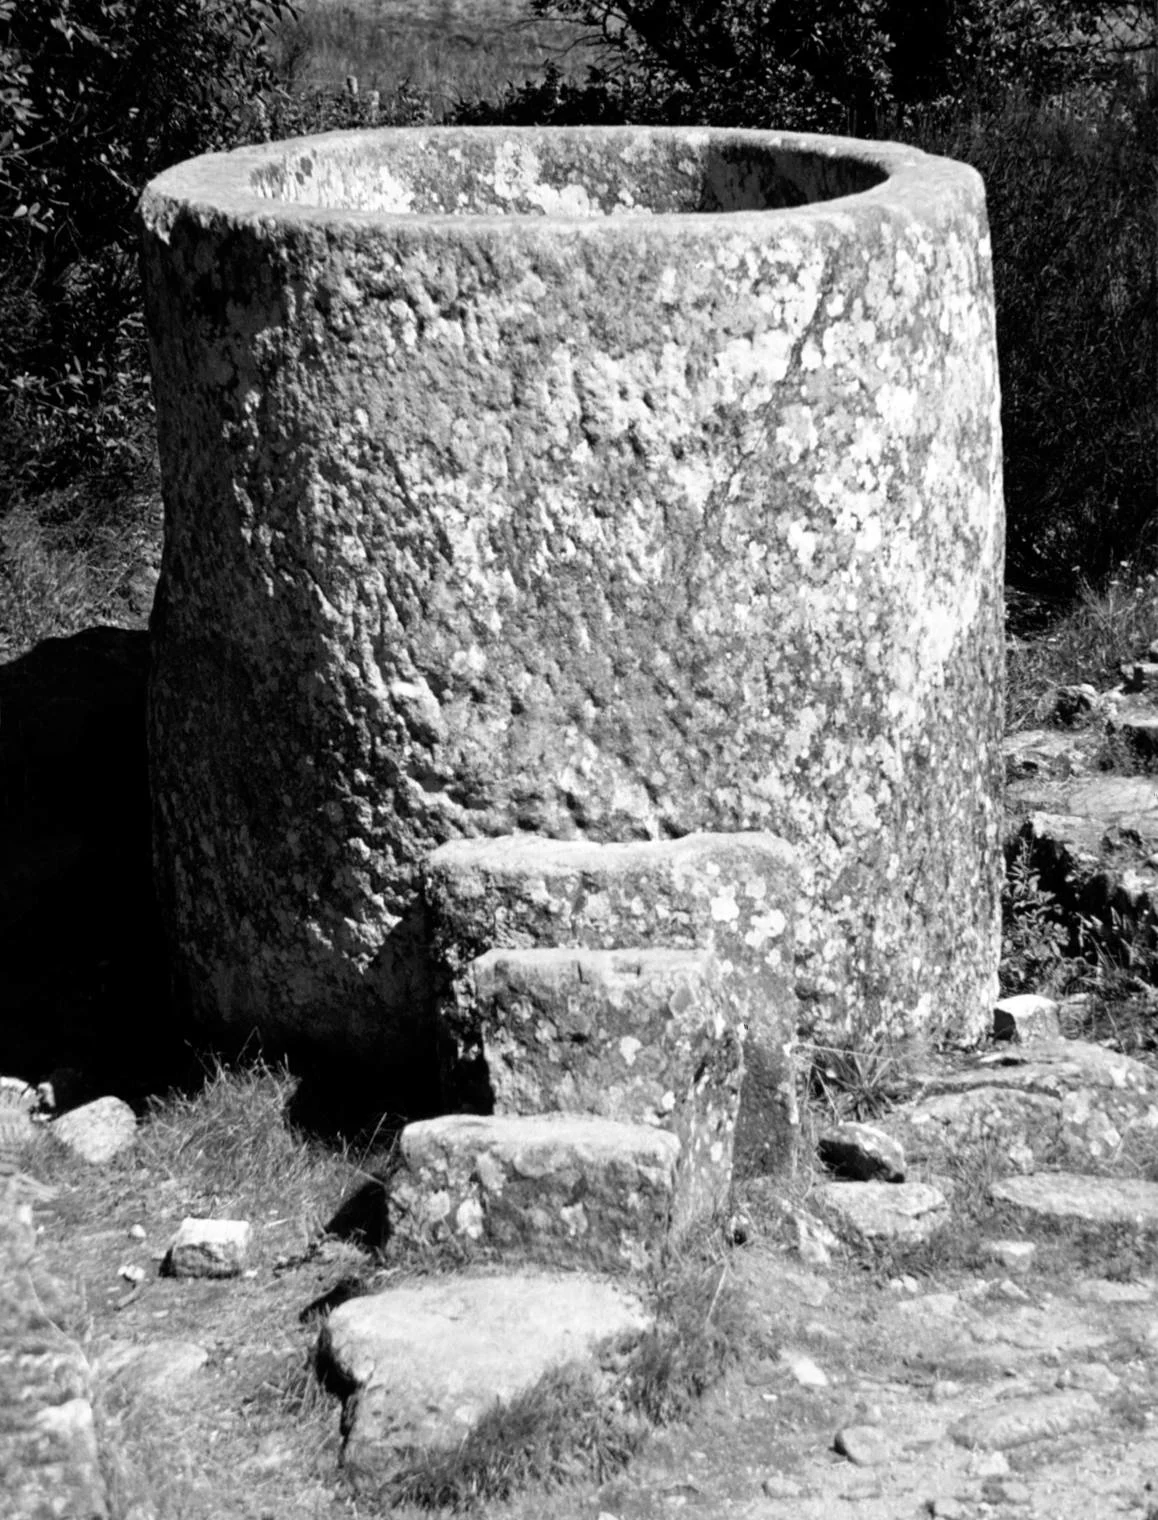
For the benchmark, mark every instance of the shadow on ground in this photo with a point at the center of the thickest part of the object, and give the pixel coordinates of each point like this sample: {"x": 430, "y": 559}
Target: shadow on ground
{"x": 85, "y": 996}
{"x": 82, "y": 976}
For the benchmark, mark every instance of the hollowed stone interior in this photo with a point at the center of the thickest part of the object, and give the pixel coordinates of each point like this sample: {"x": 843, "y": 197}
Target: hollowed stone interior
{"x": 567, "y": 174}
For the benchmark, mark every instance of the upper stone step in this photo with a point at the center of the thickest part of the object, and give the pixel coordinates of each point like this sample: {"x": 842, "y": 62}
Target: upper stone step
{"x": 571, "y": 1190}
{"x": 732, "y": 894}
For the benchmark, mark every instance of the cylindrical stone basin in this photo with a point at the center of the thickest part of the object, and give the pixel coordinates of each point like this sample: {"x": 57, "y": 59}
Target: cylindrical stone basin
{"x": 606, "y": 483}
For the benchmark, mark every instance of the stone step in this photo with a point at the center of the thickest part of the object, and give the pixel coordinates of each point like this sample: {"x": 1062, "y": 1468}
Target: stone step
{"x": 642, "y": 1036}
{"x": 1071, "y": 1196}
{"x": 566, "y": 1190}
{"x": 731, "y": 894}
{"x": 425, "y": 1361}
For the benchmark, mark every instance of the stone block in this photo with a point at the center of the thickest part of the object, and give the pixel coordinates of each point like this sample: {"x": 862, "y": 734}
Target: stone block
{"x": 571, "y": 1190}
{"x": 426, "y": 1360}
{"x": 902, "y": 1211}
{"x": 732, "y": 894}
{"x": 208, "y": 1248}
{"x": 1026, "y": 1017}
{"x": 642, "y": 1036}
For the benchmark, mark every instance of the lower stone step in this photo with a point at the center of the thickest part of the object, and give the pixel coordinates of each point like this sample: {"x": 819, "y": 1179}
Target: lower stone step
{"x": 571, "y": 1190}
{"x": 423, "y": 1362}
{"x": 643, "y": 1036}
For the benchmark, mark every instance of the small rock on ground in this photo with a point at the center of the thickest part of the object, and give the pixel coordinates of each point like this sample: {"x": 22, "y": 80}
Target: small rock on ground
{"x": 903, "y": 1211}
{"x": 99, "y": 1131}
{"x": 208, "y": 1248}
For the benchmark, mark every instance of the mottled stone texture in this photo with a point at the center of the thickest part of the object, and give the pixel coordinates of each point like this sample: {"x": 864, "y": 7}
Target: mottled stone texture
{"x": 608, "y": 484}
{"x": 568, "y": 1190}
{"x": 49, "y": 1462}
{"x": 641, "y": 1036}
{"x": 732, "y": 895}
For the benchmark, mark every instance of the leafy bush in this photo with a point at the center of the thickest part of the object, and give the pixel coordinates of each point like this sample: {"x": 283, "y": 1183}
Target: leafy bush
{"x": 96, "y": 96}
{"x": 1063, "y": 132}
{"x": 1033, "y": 935}
{"x": 1069, "y": 186}
{"x": 837, "y": 67}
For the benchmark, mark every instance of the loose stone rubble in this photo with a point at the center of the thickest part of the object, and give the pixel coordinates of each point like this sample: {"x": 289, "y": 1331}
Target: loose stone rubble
{"x": 1000, "y": 1366}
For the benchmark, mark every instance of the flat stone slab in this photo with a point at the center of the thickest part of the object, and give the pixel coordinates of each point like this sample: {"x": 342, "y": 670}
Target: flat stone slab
{"x": 901, "y": 1211}
{"x": 1046, "y": 1103}
{"x": 428, "y": 1359}
{"x": 1017, "y": 1422}
{"x": 562, "y": 1189}
{"x": 641, "y": 1036}
{"x": 1094, "y": 1200}
{"x": 731, "y": 894}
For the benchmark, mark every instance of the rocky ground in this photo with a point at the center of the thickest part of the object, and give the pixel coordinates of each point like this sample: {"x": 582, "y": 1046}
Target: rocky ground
{"x": 950, "y": 1312}
{"x": 968, "y": 1329}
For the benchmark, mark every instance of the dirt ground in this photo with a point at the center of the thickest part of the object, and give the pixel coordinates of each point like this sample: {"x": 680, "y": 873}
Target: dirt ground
{"x": 962, "y": 1390}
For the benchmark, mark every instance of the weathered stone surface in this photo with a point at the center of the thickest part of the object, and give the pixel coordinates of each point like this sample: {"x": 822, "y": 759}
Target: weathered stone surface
{"x": 1052, "y": 1101}
{"x": 560, "y": 1189}
{"x": 586, "y": 483}
{"x": 208, "y": 1248}
{"x": 99, "y": 1131}
{"x": 427, "y": 1360}
{"x": 1135, "y": 730}
{"x": 1025, "y": 1018}
{"x": 1070, "y": 1196}
{"x": 1048, "y": 752}
{"x": 18, "y": 1103}
{"x": 863, "y": 1444}
{"x": 903, "y": 1211}
{"x": 862, "y": 1153}
{"x": 158, "y": 1369}
{"x": 1016, "y": 1422}
{"x": 732, "y": 895}
{"x": 48, "y": 1454}
{"x": 643, "y": 1036}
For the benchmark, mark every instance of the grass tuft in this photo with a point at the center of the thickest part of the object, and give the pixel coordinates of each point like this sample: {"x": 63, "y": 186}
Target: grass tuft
{"x": 1088, "y": 642}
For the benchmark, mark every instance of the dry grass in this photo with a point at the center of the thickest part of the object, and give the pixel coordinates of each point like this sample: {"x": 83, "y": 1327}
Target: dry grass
{"x": 67, "y": 564}
{"x": 1086, "y": 643}
{"x": 254, "y": 1435}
